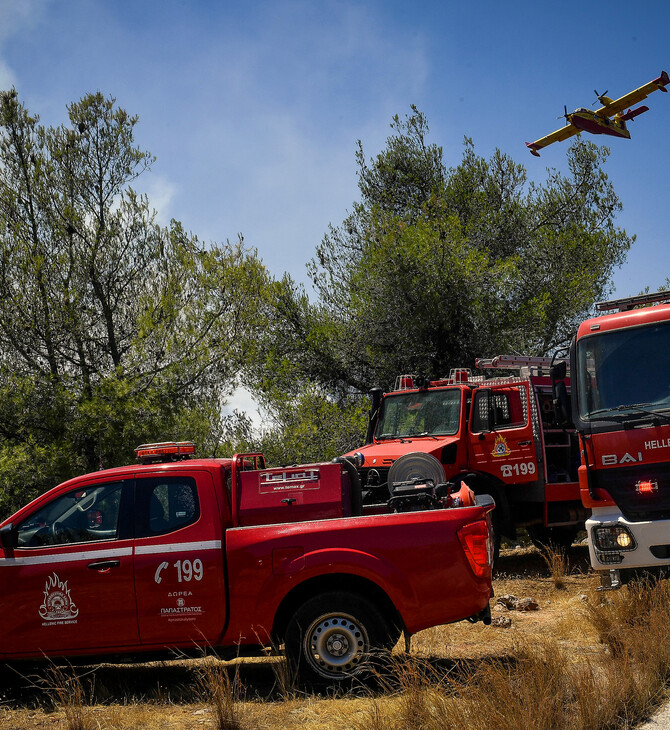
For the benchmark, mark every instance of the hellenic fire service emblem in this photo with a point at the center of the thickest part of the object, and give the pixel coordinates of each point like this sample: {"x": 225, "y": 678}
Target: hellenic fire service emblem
{"x": 500, "y": 447}
{"x": 58, "y": 604}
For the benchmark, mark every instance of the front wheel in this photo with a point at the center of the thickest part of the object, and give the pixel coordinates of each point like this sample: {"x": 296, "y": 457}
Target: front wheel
{"x": 333, "y": 637}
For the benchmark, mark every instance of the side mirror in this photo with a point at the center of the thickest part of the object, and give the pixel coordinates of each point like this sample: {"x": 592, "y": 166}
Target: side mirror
{"x": 376, "y": 394}
{"x": 559, "y": 371}
{"x": 8, "y": 536}
{"x": 561, "y": 404}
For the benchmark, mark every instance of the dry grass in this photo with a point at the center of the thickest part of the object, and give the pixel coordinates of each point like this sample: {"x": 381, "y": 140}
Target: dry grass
{"x": 64, "y": 688}
{"x": 557, "y": 563}
{"x": 583, "y": 659}
{"x": 221, "y": 693}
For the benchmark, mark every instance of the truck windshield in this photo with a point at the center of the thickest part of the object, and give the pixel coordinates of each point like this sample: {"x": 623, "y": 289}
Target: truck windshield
{"x": 422, "y": 413}
{"x": 624, "y": 372}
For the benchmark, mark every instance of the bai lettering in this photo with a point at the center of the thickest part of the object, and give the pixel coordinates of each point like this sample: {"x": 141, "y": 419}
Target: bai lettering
{"x": 613, "y": 459}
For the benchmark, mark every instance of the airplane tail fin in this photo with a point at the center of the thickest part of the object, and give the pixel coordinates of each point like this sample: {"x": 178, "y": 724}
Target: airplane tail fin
{"x": 662, "y": 81}
{"x": 533, "y": 148}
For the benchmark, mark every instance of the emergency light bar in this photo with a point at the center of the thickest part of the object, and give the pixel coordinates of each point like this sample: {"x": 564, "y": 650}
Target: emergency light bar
{"x": 404, "y": 382}
{"x": 167, "y": 450}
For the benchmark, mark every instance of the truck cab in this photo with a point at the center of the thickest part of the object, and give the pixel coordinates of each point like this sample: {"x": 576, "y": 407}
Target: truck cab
{"x": 497, "y": 434}
{"x": 621, "y": 407}
{"x": 182, "y": 554}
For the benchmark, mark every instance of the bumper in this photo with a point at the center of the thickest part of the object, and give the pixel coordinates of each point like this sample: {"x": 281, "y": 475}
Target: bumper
{"x": 649, "y": 542}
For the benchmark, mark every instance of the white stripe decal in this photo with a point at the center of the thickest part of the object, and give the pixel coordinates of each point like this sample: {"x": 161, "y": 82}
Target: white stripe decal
{"x": 67, "y": 557}
{"x": 180, "y": 547}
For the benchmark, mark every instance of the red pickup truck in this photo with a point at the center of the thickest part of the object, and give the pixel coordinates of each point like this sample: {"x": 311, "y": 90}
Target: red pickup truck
{"x": 179, "y": 553}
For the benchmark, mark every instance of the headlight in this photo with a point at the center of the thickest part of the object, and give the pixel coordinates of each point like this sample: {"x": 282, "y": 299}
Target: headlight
{"x": 624, "y": 539}
{"x": 613, "y": 537}
{"x": 358, "y": 459}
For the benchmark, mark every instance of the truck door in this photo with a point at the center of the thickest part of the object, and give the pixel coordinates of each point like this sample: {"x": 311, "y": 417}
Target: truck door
{"x": 68, "y": 584}
{"x": 179, "y": 572}
{"x": 501, "y": 434}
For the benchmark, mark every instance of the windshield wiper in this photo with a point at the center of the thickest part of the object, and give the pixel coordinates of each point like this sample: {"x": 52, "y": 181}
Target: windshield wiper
{"x": 640, "y": 407}
{"x": 393, "y": 437}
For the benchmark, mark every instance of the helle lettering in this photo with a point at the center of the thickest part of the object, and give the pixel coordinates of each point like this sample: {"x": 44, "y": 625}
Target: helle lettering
{"x": 662, "y": 444}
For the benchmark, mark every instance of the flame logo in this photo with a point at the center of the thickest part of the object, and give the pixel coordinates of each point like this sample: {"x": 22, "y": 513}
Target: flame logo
{"x": 58, "y": 603}
{"x": 500, "y": 447}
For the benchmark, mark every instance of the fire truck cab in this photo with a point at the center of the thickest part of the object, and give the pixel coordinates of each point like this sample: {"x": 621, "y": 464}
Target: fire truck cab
{"x": 621, "y": 408}
{"x": 497, "y": 434}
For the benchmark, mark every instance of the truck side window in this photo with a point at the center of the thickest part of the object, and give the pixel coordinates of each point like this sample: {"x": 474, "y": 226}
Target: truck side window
{"x": 165, "y": 504}
{"x": 85, "y": 514}
{"x": 498, "y": 410}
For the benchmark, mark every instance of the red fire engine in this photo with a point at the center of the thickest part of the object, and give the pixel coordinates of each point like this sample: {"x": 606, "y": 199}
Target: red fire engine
{"x": 621, "y": 408}
{"x": 497, "y": 434}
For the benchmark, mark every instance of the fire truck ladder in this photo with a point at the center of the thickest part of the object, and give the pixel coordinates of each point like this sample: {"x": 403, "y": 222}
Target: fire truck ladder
{"x": 628, "y": 303}
{"x": 532, "y": 365}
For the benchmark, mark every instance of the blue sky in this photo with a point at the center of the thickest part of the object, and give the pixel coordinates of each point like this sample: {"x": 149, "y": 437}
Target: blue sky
{"x": 253, "y": 109}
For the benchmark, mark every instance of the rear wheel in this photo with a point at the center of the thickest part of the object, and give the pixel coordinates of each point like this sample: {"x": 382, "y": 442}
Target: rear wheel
{"x": 335, "y": 637}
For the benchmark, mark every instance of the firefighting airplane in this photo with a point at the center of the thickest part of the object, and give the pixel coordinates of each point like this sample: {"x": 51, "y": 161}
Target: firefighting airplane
{"x": 598, "y": 121}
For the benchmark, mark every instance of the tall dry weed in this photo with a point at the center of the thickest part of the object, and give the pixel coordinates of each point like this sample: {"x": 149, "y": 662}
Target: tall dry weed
{"x": 417, "y": 693}
{"x": 221, "y": 693}
{"x": 66, "y": 691}
{"x": 557, "y": 563}
{"x": 633, "y": 624}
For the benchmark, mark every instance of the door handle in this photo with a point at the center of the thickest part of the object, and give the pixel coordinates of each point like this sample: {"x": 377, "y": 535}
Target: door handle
{"x": 104, "y": 564}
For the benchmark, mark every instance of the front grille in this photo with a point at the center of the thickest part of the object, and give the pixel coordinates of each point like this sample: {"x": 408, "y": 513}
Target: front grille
{"x": 620, "y": 483}
{"x": 610, "y": 558}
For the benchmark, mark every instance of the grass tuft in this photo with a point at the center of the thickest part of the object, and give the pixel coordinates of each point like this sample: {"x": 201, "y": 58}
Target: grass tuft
{"x": 220, "y": 692}
{"x": 557, "y": 563}
{"x": 66, "y": 691}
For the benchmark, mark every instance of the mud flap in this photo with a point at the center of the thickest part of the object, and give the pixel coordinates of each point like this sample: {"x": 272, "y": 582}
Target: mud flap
{"x": 484, "y": 616}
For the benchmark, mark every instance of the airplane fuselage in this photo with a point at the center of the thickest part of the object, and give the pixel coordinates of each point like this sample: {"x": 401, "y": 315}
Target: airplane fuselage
{"x": 588, "y": 121}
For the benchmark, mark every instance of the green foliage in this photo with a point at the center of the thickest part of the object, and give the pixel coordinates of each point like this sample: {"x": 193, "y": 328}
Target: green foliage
{"x": 27, "y": 467}
{"x": 307, "y": 426}
{"x": 113, "y": 329}
{"x": 436, "y": 267}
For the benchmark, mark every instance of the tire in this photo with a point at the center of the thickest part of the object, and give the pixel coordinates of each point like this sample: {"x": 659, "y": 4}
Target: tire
{"x": 334, "y": 638}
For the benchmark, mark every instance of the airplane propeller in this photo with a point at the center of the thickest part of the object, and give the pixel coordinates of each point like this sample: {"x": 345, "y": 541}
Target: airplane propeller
{"x": 564, "y": 115}
{"x": 599, "y": 99}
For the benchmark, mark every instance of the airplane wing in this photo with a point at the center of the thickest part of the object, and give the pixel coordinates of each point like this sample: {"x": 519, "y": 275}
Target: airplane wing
{"x": 627, "y": 100}
{"x": 558, "y": 136}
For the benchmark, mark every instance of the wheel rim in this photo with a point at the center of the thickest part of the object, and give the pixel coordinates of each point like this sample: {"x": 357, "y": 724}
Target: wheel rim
{"x": 336, "y": 645}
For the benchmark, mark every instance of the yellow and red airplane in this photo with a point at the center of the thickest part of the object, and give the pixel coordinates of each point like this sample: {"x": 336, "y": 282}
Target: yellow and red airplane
{"x": 609, "y": 119}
